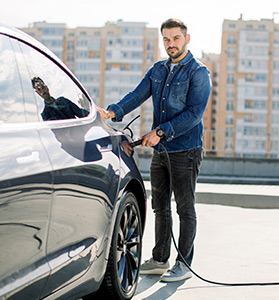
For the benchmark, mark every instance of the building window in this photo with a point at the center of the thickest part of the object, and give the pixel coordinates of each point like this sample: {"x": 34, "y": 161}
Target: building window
{"x": 81, "y": 43}
{"x": 246, "y": 118}
{"x": 259, "y": 118}
{"x": 274, "y": 146}
{"x": 248, "y": 78}
{"x": 70, "y": 57}
{"x": 122, "y": 67}
{"x": 71, "y": 46}
{"x": 257, "y": 36}
{"x": 82, "y": 54}
{"x": 231, "y": 66}
{"x": 230, "y": 93}
{"x": 52, "y": 31}
{"x": 231, "y": 39}
{"x": 136, "y": 54}
{"x": 229, "y": 106}
{"x": 259, "y": 104}
{"x": 260, "y": 77}
{"x": 248, "y": 104}
{"x": 230, "y": 79}
{"x": 229, "y": 132}
{"x": 275, "y": 119}
{"x": 124, "y": 54}
{"x": 150, "y": 46}
{"x": 135, "y": 67}
{"x": 275, "y": 105}
{"x": 228, "y": 145}
{"x": 276, "y": 65}
{"x": 150, "y": 57}
{"x": 229, "y": 119}
{"x": 231, "y": 52}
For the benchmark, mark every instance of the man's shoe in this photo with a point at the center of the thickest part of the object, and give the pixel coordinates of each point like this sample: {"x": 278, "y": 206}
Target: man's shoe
{"x": 153, "y": 267}
{"x": 178, "y": 272}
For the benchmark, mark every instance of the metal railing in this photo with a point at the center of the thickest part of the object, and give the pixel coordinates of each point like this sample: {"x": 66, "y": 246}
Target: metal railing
{"x": 220, "y": 143}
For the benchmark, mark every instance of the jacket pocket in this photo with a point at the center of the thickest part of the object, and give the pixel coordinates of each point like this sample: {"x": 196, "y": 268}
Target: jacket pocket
{"x": 180, "y": 89}
{"x": 156, "y": 83}
{"x": 179, "y": 92}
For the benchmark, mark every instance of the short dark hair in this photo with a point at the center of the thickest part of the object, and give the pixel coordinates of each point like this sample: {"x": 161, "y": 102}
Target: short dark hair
{"x": 171, "y": 23}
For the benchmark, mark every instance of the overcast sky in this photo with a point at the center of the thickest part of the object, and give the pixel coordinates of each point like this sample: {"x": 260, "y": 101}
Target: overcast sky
{"x": 204, "y": 18}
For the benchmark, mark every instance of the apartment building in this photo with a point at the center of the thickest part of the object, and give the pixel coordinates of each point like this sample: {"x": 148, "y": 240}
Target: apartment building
{"x": 248, "y": 101}
{"x": 212, "y": 61}
{"x": 49, "y": 34}
{"x": 109, "y": 61}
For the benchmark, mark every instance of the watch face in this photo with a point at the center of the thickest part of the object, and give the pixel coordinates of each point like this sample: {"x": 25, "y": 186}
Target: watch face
{"x": 160, "y": 133}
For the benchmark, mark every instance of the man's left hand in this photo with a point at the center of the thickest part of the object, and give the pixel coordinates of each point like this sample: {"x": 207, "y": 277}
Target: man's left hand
{"x": 150, "y": 139}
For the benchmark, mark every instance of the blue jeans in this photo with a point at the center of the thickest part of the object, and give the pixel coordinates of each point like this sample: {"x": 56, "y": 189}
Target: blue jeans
{"x": 185, "y": 168}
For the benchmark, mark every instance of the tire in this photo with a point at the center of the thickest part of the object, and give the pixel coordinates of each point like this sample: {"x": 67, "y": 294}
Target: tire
{"x": 121, "y": 278}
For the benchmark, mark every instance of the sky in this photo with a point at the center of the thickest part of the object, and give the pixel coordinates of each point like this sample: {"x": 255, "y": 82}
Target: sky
{"x": 204, "y": 18}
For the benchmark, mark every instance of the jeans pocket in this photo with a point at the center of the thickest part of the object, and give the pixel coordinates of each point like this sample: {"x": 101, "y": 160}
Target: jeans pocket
{"x": 198, "y": 158}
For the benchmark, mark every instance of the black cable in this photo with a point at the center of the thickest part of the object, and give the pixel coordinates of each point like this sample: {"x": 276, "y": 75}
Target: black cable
{"x": 181, "y": 256}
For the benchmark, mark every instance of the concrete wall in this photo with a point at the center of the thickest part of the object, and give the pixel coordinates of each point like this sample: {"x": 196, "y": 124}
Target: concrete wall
{"x": 229, "y": 170}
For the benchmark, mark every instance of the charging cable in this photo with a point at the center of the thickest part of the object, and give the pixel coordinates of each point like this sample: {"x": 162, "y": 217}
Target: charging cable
{"x": 181, "y": 256}
{"x": 138, "y": 142}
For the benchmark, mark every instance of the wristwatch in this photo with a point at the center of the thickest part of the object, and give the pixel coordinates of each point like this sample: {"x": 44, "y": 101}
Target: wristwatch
{"x": 160, "y": 132}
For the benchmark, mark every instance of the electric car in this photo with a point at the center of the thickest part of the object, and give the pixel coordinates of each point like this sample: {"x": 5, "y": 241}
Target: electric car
{"x": 72, "y": 202}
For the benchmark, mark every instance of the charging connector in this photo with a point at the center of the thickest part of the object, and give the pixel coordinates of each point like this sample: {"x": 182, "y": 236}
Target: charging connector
{"x": 136, "y": 143}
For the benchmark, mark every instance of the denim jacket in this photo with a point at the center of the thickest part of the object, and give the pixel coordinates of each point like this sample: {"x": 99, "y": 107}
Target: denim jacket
{"x": 179, "y": 100}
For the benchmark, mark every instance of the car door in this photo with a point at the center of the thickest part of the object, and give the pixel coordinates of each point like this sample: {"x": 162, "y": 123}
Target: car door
{"x": 25, "y": 183}
{"x": 84, "y": 155}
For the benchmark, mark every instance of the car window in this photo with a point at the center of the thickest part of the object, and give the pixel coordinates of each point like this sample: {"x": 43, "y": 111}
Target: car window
{"x": 57, "y": 96}
{"x": 12, "y": 108}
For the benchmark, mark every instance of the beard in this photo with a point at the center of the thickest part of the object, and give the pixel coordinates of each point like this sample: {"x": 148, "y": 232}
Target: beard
{"x": 178, "y": 54}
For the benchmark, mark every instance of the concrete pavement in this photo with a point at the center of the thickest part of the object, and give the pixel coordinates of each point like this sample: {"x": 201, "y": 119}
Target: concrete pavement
{"x": 233, "y": 244}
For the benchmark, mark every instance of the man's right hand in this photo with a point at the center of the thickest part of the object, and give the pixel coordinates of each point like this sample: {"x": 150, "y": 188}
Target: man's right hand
{"x": 106, "y": 114}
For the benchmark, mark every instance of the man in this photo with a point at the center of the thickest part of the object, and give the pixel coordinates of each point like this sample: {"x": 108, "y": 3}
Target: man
{"x": 56, "y": 109}
{"x": 180, "y": 88}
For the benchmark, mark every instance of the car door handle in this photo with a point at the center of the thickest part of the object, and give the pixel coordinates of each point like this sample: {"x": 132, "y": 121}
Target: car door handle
{"x": 33, "y": 157}
{"x": 105, "y": 148}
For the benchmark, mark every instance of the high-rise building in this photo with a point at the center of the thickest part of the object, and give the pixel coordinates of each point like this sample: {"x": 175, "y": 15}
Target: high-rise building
{"x": 109, "y": 61}
{"x": 248, "y": 101}
{"x": 212, "y": 61}
{"x": 52, "y": 35}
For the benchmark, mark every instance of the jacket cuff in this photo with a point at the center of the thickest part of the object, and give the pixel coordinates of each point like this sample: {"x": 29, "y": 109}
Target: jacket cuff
{"x": 118, "y": 111}
{"x": 168, "y": 130}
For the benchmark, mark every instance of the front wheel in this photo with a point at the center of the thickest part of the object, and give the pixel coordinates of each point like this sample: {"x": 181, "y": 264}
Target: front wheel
{"x": 121, "y": 278}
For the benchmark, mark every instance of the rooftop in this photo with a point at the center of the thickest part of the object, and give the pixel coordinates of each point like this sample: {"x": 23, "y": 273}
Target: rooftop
{"x": 233, "y": 245}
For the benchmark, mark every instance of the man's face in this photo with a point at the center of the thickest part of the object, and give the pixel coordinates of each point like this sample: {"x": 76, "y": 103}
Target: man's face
{"x": 42, "y": 89}
{"x": 175, "y": 43}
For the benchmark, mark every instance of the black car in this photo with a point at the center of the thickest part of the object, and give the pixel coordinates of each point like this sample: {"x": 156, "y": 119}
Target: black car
{"x": 72, "y": 201}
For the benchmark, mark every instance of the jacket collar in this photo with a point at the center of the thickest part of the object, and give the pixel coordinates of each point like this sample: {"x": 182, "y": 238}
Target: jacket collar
{"x": 183, "y": 62}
